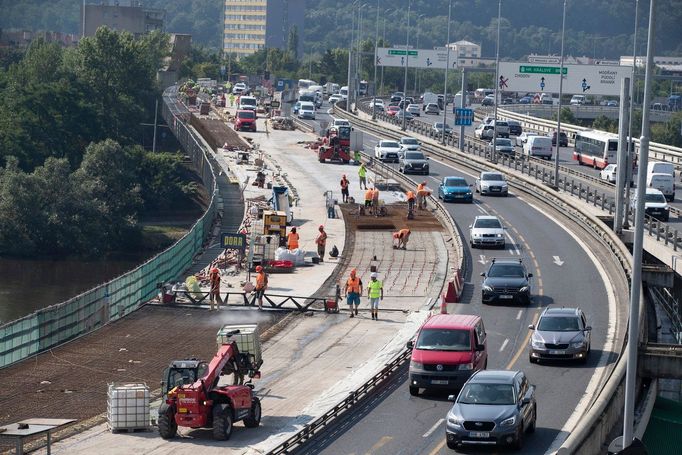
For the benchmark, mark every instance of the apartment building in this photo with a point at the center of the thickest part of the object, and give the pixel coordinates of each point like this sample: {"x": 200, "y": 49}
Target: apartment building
{"x": 132, "y": 17}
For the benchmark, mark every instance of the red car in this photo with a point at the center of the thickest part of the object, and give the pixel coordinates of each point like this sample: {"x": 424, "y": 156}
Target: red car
{"x": 245, "y": 120}
{"x": 392, "y": 110}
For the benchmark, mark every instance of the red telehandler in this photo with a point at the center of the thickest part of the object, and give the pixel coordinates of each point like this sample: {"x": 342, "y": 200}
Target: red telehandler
{"x": 194, "y": 399}
{"x": 337, "y": 147}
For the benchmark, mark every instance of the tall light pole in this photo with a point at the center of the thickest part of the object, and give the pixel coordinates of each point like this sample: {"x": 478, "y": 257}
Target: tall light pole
{"x": 376, "y": 42}
{"x": 497, "y": 78}
{"x": 350, "y": 56}
{"x": 561, "y": 92}
{"x": 384, "y": 41}
{"x": 633, "y": 328}
{"x": 416, "y": 69}
{"x": 407, "y": 63}
{"x": 630, "y": 154}
{"x": 445, "y": 82}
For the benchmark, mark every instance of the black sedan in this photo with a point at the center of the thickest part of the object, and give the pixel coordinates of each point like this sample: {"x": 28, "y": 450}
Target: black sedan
{"x": 506, "y": 281}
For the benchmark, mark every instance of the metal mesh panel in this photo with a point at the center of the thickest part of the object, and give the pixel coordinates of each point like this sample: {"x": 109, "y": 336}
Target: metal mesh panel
{"x": 58, "y": 323}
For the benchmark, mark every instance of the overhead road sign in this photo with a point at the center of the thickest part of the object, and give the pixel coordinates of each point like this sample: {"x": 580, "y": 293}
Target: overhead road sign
{"x": 464, "y": 117}
{"x": 415, "y": 58}
{"x": 581, "y": 79}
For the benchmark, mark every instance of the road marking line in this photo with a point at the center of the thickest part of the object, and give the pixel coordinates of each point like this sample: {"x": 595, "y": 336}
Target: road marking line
{"x": 522, "y": 346}
{"x": 380, "y": 443}
{"x": 511, "y": 239}
{"x": 504, "y": 344}
{"x": 433, "y": 428}
{"x": 519, "y": 314}
{"x": 438, "y": 448}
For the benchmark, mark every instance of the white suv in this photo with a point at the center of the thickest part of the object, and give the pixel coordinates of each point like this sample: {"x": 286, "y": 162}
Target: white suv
{"x": 388, "y": 151}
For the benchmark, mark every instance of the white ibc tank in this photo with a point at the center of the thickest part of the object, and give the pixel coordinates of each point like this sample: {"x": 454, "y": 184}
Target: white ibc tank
{"x": 128, "y": 406}
{"x": 247, "y": 339}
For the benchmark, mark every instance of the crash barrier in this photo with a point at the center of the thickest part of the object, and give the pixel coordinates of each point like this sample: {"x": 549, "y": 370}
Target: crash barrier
{"x": 607, "y": 404}
{"x": 56, "y": 324}
{"x": 455, "y": 288}
{"x": 356, "y": 397}
{"x": 303, "y": 126}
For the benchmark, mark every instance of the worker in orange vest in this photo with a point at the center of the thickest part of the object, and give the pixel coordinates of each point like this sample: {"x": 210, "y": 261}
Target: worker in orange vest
{"x": 369, "y": 194}
{"x": 261, "y": 285}
{"x": 375, "y": 201}
{"x": 403, "y": 238}
{"x": 214, "y": 293}
{"x": 422, "y": 194}
{"x": 292, "y": 239}
{"x": 344, "y": 188}
{"x": 411, "y": 199}
{"x": 353, "y": 291}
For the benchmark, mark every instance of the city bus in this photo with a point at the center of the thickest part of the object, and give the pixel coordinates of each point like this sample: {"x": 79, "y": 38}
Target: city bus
{"x": 596, "y": 148}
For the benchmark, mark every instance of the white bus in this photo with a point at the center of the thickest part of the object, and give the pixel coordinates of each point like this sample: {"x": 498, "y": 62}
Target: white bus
{"x": 305, "y": 84}
{"x": 596, "y": 148}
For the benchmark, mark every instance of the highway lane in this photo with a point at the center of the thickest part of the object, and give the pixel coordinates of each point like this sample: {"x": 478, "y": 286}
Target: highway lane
{"x": 575, "y": 282}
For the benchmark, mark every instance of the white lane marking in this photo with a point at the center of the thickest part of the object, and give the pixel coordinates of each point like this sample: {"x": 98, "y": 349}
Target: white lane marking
{"x": 511, "y": 239}
{"x": 519, "y": 314}
{"x": 511, "y": 251}
{"x": 558, "y": 261}
{"x": 504, "y": 344}
{"x": 482, "y": 258}
{"x": 433, "y": 428}
{"x": 600, "y": 370}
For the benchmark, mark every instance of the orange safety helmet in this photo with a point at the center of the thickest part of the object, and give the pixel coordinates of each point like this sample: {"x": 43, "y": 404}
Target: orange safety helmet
{"x": 259, "y": 268}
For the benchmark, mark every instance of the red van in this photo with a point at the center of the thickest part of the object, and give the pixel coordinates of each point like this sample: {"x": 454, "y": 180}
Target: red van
{"x": 447, "y": 350}
{"x": 245, "y": 120}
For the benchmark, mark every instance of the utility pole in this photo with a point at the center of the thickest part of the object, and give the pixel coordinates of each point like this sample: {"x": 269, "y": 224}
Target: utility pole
{"x": 623, "y": 150}
{"x": 376, "y": 42}
{"x": 561, "y": 92}
{"x": 407, "y": 63}
{"x": 445, "y": 83}
{"x": 156, "y": 116}
{"x": 631, "y": 151}
{"x": 497, "y": 80}
{"x": 350, "y": 57}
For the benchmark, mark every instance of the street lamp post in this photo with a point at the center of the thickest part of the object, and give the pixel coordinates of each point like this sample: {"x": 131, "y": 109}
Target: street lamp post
{"x": 445, "y": 83}
{"x": 561, "y": 92}
{"x": 350, "y": 57}
{"x": 407, "y": 63}
{"x": 374, "y": 88}
{"x": 497, "y": 79}
{"x": 631, "y": 152}
{"x": 416, "y": 69}
{"x": 383, "y": 39}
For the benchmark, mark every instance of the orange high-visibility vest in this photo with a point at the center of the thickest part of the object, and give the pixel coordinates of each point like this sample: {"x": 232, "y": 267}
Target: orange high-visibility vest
{"x": 261, "y": 280}
{"x": 403, "y": 233}
{"x": 410, "y": 195}
{"x": 368, "y": 195}
{"x": 292, "y": 240}
{"x": 353, "y": 285}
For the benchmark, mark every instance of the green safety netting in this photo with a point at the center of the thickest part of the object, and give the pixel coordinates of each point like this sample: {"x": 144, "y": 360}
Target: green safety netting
{"x": 663, "y": 435}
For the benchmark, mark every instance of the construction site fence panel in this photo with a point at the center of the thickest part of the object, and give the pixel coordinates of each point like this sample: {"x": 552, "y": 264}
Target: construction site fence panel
{"x": 56, "y": 324}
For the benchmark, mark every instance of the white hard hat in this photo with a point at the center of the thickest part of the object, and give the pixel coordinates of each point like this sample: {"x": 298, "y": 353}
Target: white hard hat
{"x": 373, "y": 275}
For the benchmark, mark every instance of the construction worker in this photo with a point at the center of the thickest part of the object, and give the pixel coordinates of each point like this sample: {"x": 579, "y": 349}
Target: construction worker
{"x": 411, "y": 200}
{"x": 353, "y": 291}
{"x": 375, "y": 292}
{"x": 375, "y": 201}
{"x": 292, "y": 239}
{"x": 369, "y": 194}
{"x": 403, "y": 238}
{"x": 321, "y": 242}
{"x": 214, "y": 293}
{"x": 261, "y": 285}
{"x": 357, "y": 156}
{"x": 362, "y": 173}
{"x": 422, "y": 194}
{"x": 231, "y": 100}
{"x": 344, "y": 188}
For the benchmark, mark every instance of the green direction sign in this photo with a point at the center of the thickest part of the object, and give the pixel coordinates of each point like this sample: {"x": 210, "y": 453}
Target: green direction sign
{"x": 401, "y": 52}
{"x": 541, "y": 69}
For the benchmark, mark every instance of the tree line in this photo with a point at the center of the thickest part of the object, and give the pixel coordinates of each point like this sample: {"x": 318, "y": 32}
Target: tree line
{"x": 72, "y": 178}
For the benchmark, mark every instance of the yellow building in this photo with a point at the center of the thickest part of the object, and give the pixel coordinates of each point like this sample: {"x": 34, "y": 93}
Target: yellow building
{"x": 251, "y": 25}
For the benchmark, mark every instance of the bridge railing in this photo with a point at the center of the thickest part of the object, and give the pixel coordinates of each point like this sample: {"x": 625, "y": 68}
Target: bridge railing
{"x": 56, "y": 324}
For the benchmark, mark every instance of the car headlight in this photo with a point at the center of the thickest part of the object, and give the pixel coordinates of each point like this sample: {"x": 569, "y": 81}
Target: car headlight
{"x": 499, "y": 236}
{"x": 504, "y": 186}
{"x": 578, "y": 344}
{"x": 487, "y": 288}
{"x": 455, "y": 421}
{"x": 537, "y": 344}
{"x": 416, "y": 365}
{"x": 524, "y": 289}
{"x": 468, "y": 193}
{"x": 466, "y": 366}
{"x": 508, "y": 422}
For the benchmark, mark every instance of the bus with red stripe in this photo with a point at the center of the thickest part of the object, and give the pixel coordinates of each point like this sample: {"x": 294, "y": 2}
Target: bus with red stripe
{"x": 595, "y": 148}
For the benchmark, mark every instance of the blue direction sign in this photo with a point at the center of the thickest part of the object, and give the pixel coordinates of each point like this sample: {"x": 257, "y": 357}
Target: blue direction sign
{"x": 464, "y": 117}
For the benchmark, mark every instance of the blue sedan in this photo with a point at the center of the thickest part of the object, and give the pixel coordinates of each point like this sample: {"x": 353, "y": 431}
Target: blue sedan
{"x": 455, "y": 189}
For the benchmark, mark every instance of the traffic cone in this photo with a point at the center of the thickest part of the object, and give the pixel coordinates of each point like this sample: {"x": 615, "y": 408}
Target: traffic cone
{"x": 451, "y": 295}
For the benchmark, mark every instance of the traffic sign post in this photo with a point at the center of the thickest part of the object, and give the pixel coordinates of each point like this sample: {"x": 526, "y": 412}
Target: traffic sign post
{"x": 463, "y": 117}
{"x": 418, "y": 58}
{"x": 582, "y": 79}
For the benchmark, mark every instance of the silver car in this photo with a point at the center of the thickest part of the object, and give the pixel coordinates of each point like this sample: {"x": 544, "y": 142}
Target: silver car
{"x": 431, "y": 108}
{"x": 492, "y": 183}
{"x": 493, "y": 408}
{"x": 414, "y": 162}
{"x": 486, "y": 230}
{"x": 561, "y": 333}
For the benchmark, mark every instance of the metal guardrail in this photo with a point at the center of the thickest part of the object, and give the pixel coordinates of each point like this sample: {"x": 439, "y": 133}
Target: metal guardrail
{"x": 546, "y": 111}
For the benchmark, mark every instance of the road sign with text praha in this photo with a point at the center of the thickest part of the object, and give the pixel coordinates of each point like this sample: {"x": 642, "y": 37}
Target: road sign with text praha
{"x": 582, "y": 79}
{"x": 415, "y": 58}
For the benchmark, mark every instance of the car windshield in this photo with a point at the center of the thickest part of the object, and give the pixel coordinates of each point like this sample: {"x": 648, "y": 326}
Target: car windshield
{"x": 248, "y": 101}
{"x": 488, "y": 223}
{"x": 390, "y": 145}
{"x": 443, "y": 340}
{"x": 248, "y": 114}
{"x": 654, "y": 197}
{"x": 482, "y": 393}
{"x": 493, "y": 177}
{"x": 410, "y": 141}
{"x": 455, "y": 182}
{"x": 503, "y": 142}
{"x": 506, "y": 271}
{"x": 414, "y": 156}
{"x": 559, "y": 324}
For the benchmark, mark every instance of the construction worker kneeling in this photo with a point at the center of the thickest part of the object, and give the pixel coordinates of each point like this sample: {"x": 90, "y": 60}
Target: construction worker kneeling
{"x": 400, "y": 238}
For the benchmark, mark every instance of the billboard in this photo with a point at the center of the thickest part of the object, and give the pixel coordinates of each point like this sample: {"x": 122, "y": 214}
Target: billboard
{"x": 578, "y": 79}
{"x": 415, "y": 58}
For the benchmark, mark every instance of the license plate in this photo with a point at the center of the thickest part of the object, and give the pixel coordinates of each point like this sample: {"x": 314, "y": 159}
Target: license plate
{"x": 439, "y": 381}
{"x": 555, "y": 352}
{"x": 494, "y": 189}
{"x": 507, "y": 297}
{"x": 479, "y": 434}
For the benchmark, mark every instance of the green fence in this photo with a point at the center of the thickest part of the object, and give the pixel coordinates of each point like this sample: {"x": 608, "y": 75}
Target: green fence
{"x": 58, "y": 323}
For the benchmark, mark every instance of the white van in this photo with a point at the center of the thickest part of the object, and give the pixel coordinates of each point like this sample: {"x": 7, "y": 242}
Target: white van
{"x": 578, "y": 100}
{"x": 247, "y": 103}
{"x": 655, "y": 204}
{"x": 663, "y": 182}
{"x": 660, "y": 167}
{"x": 540, "y": 146}
{"x": 344, "y": 92}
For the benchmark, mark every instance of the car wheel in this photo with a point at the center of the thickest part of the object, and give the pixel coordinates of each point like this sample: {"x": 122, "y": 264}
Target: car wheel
{"x": 451, "y": 445}
{"x": 414, "y": 391}
{"x": 518, "y": 444}
{"x": 533, "y": 423}
{"x": 531, "y": 359}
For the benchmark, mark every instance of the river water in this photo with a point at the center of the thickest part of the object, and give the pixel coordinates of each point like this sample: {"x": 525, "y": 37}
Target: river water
{"x": 27, "y": 285}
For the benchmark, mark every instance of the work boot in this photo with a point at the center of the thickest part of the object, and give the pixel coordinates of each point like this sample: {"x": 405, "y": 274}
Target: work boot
{"x": 351, "y": 313}
{"x": 356, "y": 310}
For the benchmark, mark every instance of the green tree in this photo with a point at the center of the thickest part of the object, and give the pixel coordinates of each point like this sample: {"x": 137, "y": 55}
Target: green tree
{"x": 603, "y": 123}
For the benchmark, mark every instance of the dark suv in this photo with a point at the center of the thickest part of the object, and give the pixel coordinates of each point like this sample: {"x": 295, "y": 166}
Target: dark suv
{"x": 506, "y": 280}
{"x": 563, "y": 139}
